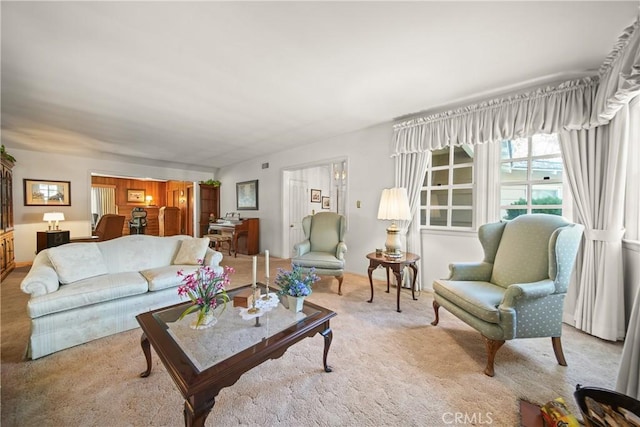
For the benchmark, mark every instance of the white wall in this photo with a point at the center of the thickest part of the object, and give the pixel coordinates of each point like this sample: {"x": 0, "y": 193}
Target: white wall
{"x": 77, "y": 170}
{"x": 370, "y": 169}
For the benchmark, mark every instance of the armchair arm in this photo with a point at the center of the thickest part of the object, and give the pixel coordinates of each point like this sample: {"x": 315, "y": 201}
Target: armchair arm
{"x": 473, "y": 271}
{"x": 341, "y": 250}
{"x": 532, "y": 290}
{"x": 302, "y": 247}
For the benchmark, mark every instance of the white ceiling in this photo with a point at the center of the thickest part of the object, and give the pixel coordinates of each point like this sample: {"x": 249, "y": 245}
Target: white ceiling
{"x": 210, "y": 84}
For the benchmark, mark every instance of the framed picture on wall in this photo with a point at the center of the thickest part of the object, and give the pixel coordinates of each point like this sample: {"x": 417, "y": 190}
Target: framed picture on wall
{"x": 326, "y": 202}
{"x": 247, "y": 195}
{"x": 135, "y": 196}
{"x": 39, "y": 192}
{"x": 315, "y": 196}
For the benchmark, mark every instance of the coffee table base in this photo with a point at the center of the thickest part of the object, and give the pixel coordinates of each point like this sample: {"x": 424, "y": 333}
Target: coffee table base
{"x": 198, "y": 405}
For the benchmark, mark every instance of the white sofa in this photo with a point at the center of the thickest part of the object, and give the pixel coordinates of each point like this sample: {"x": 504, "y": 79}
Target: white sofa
{"x": 84, "y": 291}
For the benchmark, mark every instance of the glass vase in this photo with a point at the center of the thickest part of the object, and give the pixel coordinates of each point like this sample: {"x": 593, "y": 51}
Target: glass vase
{"x": 208, "y": 320}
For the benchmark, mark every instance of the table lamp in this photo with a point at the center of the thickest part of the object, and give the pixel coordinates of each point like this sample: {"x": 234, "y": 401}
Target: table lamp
{"x": 53, "y": 216}
{"x": 394, "y": 206}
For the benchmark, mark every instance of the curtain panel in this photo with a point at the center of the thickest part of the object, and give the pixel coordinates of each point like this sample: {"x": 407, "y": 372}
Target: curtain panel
{"x": 596, "y": 166}
{"x": 411, "y": 169}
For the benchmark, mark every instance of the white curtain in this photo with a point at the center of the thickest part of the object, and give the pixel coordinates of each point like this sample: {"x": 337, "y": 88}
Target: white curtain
{"x": 546, "y": 110}
{"x": 103, "y": 200}
{"x": 629, "y": 371}
{"x": 596, "y": 165}
{"x": 410, "y": 171}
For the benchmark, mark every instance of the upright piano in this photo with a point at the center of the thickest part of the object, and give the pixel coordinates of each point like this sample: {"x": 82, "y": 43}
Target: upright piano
{"x": 245, "y": 234}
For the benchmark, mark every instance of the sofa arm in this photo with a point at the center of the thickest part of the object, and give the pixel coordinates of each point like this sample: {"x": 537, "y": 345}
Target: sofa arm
{"x": 519, "y": 291}
{"x": 472, "y": 271}
{"x": 302, "y": 248}
{"x": 341, "y": 250}
{"x": 42, "y": 278}
{"x": 212, "y": 258}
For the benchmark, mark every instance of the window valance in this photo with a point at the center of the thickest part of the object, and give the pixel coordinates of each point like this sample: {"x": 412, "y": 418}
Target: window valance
{"x": 575, "y": 104}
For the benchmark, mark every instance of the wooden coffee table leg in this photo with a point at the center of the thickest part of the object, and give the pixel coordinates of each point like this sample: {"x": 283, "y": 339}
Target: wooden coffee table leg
{"x": 328, "y": 336}
{"x": 196, "y": 417}
{"x": 146, "y": 349}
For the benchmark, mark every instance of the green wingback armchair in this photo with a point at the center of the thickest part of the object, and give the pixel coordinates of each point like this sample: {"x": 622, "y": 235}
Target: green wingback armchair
{"x": 518, "y": 290}
{"x": 323, "y": 248}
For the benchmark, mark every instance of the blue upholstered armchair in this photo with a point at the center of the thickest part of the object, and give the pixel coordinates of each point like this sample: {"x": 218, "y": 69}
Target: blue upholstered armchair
{"x": 518, "y": 290}
{"x": 324, "y": 246}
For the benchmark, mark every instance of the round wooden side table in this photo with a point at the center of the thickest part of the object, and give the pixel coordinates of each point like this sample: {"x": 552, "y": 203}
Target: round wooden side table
{"x": 396, "y": 265}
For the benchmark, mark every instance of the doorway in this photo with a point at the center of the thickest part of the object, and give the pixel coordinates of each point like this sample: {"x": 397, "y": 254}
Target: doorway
{"x": 327, "y": 180}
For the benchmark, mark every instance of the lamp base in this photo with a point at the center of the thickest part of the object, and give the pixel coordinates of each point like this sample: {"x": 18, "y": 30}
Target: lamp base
{"x": 393, "y": 243}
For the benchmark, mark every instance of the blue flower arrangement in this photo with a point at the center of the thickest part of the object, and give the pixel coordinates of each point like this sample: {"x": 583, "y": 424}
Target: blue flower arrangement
{"x": 295, "y": 282}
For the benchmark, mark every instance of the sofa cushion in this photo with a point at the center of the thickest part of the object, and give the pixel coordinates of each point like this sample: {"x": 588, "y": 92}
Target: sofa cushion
{"x": 192, "y": 251}
{"x": 166, "y": 277}
{"x": 89, "y": 291}
{"x": 321, "y": 260}
{"x": 77, "y": 261}
{"x": 478, "y": 298}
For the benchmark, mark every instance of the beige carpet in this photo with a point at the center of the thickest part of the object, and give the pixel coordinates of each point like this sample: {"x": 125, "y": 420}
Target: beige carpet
{"x": 389, "y": 369}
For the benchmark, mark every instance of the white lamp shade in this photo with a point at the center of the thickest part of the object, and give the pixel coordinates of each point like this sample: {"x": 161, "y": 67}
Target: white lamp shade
{"x": 394, "y": 204}
{"x": 53, "y": 216}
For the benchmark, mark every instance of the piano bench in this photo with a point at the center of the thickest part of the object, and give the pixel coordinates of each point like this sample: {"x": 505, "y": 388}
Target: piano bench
{"x": 216, "y": 240}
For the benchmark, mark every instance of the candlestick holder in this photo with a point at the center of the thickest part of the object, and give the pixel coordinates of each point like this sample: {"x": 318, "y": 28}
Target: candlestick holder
{"x": 266, "y": 296}
{"x": 253, "y": 309}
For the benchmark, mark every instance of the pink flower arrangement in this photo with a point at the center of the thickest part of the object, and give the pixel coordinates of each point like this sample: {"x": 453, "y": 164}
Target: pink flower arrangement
{"x": 206, "y": 289}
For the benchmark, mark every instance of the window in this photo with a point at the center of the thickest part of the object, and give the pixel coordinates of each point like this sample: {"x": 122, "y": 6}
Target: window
{"x": 446, "y": 199}
{"x": 530, "y": 176}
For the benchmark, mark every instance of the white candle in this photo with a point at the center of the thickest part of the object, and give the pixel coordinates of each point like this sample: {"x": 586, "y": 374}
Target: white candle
{"x": 255, "y": 269}
{"x": 266, "y": 262}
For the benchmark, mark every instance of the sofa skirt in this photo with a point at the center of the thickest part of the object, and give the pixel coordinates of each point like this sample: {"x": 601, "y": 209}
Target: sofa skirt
{"x": 58, "y": 331}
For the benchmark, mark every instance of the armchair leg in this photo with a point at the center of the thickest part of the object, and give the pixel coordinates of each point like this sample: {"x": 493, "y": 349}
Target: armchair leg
{"x": 557, "y": 349}
{"x": 492, "y": 348}
{"x": 340, "y": 284}
{"x": 436, "y": 307}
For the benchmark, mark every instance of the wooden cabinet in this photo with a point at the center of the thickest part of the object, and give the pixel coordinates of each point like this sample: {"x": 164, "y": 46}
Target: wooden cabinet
{"x": 7, "y": 253}
{"x": 50, "y": 239}
{"x": 209, "y": 204}
{"x": 169, "y": 221}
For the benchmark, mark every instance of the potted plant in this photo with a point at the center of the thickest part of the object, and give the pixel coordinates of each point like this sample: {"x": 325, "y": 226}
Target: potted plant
{"x": 5, "y": 155}
{"x": 206, "y": 289}
{"x": 213, "y": 182}
{"x": 296, "y": 285}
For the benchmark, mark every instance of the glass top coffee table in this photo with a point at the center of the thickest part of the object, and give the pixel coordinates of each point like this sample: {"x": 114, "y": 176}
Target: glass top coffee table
{"x": 202, "y": 362}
